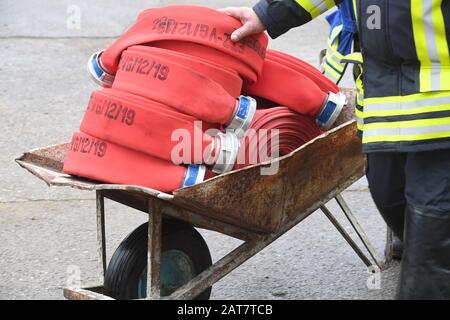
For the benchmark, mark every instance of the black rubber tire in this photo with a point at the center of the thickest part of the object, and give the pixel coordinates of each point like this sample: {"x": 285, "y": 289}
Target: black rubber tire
{"x": 130, "y": 258}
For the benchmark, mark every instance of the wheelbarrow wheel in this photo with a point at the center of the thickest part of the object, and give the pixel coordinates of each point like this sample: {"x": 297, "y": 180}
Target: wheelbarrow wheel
{"x": 184, "y": 254}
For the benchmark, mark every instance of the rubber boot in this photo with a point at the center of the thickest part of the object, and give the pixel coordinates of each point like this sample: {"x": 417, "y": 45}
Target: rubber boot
{"x": 425, "y": 267}
{"x": 397, "y": 247}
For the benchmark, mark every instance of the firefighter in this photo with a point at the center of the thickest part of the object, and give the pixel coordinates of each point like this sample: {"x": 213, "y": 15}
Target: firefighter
{"x": 404, "y": 118}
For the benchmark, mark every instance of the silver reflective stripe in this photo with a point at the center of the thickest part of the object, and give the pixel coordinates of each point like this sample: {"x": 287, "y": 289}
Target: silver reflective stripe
{"x": 320, "y": 5}
{"x": 406, "y": 105}
{"x": 330, "y": 54}
{"x": 359, "y": 120}
{"x": 330, "y": 76}
{"x": 406, "y": 131}
{"x": 360, "y": 94}
{"x": 436, "y": 77}
{"x": 430, "y": 36}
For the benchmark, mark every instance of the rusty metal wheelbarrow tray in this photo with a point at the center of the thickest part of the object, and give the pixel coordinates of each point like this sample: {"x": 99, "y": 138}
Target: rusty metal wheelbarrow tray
{"x": 244, "y": 204}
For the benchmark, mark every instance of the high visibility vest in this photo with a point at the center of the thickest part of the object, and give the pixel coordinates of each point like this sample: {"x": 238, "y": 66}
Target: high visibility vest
{"x": 342, "y": 49}
{"x": 405, "y": 48}
{"x": 340, "y": 41}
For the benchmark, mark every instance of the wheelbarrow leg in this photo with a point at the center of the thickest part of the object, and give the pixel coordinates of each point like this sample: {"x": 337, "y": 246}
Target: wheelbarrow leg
{"x": 359, "y": 231}
{"x": 101, "y": 242}
{"x": 346, "y": 236}
{"x": 154, "y": 249}
{"x": 388, "y": 249}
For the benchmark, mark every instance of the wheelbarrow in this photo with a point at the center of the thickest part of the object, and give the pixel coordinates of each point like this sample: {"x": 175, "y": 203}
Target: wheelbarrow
{"x": 168, "y": 259}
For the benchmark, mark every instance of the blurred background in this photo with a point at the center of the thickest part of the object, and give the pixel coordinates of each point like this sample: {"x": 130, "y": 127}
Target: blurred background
{"x": 47, "y": 233}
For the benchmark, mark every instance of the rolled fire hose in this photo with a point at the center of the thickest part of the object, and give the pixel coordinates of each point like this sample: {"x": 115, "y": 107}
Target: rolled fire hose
{"x": 325, "y": 84}
{"x": 100, "y": 160}
{"x": 197, "y": 62}
{"x": 261, "y": 141}
{"x": 292, "y": 83}
{"x": 189, "y": 24}
{"x": 145, "y": 73}
{"x": 225, "y": 77}
{"x": 206, "y": 53}
{"x": 155, "y": 129}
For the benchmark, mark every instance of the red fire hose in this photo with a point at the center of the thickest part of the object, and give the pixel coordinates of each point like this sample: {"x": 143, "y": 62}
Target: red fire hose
{"x": 287, "y": 87}
{"x": 147, "y": 126}
{"x": 290, "y": 82}
{"x": 325, "y": 84}
{"x": 143, "y": 72}
{"x": 192, "y": 24}
{"x": 275, "y": 129}
{"x": 100, "y": 160}
{"x": 177, "y": 65}
{"x": 227, "y": 78}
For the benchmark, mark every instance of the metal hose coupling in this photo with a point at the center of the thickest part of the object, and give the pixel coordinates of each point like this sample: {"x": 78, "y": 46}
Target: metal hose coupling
{"x": 242, "y": 117}
{"x": 195, "y": 173}
{"x": 331, "y": 109}
{"x": 226, "y": 154}
{"x": 98, "y": 73}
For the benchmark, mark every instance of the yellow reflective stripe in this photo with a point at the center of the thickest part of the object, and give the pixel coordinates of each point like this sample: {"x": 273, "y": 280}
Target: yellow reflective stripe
{"x": 407, "y": 105}
{"x": 404, "y": 112}
{"x": 316, "y": 7}
{"x": 445, "y": 77}
{"x": 355, "y": 9}
{"x": 332, "y": 54}
{"x": 411, "y": 130}
{"x": 421, "y": 44}
{"x": 331, "y": 77}
{"x": 408, "y": 98}
{"x": 330, "y": 4}
{"x": 331, "y": 71}
{"x": 359, "y": 113}
{"x": 332, "y": 66}
{"x": 335, "y": 32}
{"x": 359, "y": 91}
{"x": 404, "y": 137}
{"x": 308, "y": 6}
{"x": 431, "y": 44}
{"x": 359, "y": 126}
{"x": 336, "y": 53}
{"x": 441, "y": 39}
{"x": 407, "y": 124}
{"x": 354, "y": 57}
{"x": 333, "y": 47}
{"x": 330, "y": 74}
{"x": 359, "y": 100}
{"x": 332, "y": 61}
{"x": 334, "y": 36}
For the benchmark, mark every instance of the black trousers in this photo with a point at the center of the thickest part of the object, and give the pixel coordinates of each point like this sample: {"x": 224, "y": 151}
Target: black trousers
{"x": 412, "y": 193}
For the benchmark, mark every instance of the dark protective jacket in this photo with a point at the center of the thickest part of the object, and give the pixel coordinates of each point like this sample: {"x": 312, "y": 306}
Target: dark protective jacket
{"x": 406, "y": 79}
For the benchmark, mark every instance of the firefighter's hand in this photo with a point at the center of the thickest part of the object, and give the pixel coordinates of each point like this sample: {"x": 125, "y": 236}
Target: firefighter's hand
{"x": 251, "y": 24}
